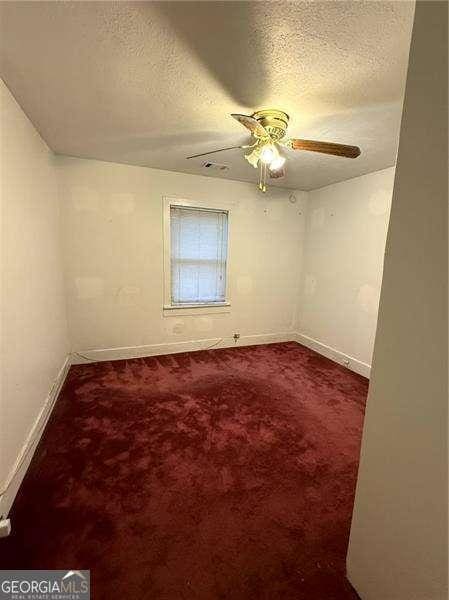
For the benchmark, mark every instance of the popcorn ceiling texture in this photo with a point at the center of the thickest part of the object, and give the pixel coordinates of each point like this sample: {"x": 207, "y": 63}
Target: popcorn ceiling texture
{"x": 150, "y": 83}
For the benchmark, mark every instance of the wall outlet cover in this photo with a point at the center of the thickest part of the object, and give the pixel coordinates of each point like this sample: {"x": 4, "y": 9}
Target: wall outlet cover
{"x": 5, "y": 528}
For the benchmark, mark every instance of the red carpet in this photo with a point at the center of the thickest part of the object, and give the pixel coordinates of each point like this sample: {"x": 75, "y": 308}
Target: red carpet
{"x": 223, "y": 474}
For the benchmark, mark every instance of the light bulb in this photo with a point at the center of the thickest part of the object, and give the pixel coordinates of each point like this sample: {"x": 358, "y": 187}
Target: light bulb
{"x": 268, "y": 154}
{"x": 277, "y": 163}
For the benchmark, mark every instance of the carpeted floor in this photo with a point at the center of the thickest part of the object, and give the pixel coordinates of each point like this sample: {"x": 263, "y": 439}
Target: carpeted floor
{"x": 223, "y": 474}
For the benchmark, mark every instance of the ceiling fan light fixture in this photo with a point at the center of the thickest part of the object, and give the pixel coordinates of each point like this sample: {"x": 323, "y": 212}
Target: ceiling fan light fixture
{"x": 277, "y": 163}
{"x": 253, "y": 157}
{"x": 268, "y": 129}
{"x": 268, "y": 153}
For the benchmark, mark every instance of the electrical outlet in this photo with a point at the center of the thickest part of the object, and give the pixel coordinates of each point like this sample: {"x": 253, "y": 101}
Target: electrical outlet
{"x": 236, "y": 336}
{"x": 5, "y": 527}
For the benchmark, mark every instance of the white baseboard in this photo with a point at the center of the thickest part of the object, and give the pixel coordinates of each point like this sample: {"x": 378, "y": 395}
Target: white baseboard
{"x": 339, "y": 357}
{"x": 85, "y": 356}
{"x": 127, "y": 352}
{"x": 11, "y": 486}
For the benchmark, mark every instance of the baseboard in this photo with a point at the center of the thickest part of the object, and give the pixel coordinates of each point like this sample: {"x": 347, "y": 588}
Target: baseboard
{"x": 11, "y": 486}
{"x": 126, "y": 352}
{"x": 354, "y": 579}
{"x": 98, "y": 355}
{"x": 339, "y": 357}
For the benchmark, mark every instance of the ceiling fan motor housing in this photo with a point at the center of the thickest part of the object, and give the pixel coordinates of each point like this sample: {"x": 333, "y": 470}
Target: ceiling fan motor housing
{"x": 275, "y": 122}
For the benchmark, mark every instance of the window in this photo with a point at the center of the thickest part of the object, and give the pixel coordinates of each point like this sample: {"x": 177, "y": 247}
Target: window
{"x": 198, "y": 256}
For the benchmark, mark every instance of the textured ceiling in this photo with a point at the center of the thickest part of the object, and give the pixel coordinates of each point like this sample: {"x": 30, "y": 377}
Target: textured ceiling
{"x": 149, "y": 83}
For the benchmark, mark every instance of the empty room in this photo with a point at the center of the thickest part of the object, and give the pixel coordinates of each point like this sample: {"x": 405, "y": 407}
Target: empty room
{"x": 224, "y": 300}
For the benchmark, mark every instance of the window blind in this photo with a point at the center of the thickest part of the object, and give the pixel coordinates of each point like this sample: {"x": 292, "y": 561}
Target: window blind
{"x": 198, "y": 253}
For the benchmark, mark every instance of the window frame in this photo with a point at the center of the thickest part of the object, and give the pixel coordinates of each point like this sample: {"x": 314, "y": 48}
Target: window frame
{"x": 169, "y": 308}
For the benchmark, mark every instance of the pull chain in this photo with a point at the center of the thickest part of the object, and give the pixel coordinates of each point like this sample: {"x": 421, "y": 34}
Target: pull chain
{"x": 262, "y": 177}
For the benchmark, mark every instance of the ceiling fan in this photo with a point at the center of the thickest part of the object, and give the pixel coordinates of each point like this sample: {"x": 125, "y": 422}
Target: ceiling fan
{"x": 268, "y": 129}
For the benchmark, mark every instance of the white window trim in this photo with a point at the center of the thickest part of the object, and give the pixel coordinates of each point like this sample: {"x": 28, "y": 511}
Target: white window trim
{"x": 169, "y": 308}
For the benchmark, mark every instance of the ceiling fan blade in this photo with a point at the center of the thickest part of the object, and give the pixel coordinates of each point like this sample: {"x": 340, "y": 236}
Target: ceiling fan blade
{"x": 326, "y": 148}
{"x": 252, "y": 124}
{"x": 214, "y": 151}
{"x": 277, "y": 173}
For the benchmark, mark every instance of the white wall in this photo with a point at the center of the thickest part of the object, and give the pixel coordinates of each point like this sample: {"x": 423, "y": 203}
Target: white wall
{"x": 113, "y": 252}
{"x": 112, "y": 261}
{"x": 398, "y": 544}
{"x": 346, "y": 228}
{"x": 34, "y": 330}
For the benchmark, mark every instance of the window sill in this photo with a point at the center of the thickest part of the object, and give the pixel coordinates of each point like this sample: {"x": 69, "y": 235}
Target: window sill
{"x": 173, "y": 310}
